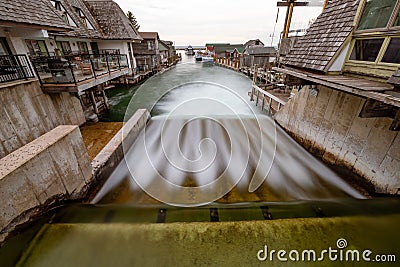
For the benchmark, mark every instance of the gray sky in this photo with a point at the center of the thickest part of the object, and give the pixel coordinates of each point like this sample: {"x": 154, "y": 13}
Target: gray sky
{"x": 198, "y": 22}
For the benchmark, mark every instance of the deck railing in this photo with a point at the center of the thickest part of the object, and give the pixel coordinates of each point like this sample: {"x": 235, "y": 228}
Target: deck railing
{"x": 15, "y": 67}
{"x": 77, "y": 68}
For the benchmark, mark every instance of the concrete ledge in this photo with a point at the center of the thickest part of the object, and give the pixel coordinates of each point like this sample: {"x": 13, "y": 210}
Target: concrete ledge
{"x": 111, "y": 155}
{"x": 54, "y": 166}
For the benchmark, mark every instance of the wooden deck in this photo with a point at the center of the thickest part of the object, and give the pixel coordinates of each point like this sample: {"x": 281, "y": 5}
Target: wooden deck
{"x": 362, "y": 87}
{"x": 85, "y": 84}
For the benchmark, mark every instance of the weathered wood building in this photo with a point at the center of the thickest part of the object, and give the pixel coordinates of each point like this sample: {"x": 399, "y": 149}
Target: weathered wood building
{"x": 347, "y": 111}
{"x": 259, "y": 55}
{"x": 148, "y": 52}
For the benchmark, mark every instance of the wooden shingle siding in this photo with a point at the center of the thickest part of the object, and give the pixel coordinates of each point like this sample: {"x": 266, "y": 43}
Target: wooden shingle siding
{"x": 316, "y": 49}
{"x": 112, "y": 20}
{"x": 35, "y": 12}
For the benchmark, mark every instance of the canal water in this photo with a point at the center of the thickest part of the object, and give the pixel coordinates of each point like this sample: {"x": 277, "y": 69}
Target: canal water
{"x": 206, "y": 143}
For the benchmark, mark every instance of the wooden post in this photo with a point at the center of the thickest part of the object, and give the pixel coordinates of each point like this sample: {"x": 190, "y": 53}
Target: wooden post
{"x": 105, "y": 99}
{"x": 93, "y": 100}
{"x": 325, "y": 5}
{"x": 263, "y": 103}
{"x": 288, "y": 20}
{"x": 258, "y": 97}
{"x": 255, "y": 75}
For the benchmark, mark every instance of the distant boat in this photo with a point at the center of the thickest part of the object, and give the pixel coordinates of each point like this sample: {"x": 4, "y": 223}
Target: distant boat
{"x": 189, "y": 51}
{"x": 199, "y": 57}
{"x": 207, "y": 59}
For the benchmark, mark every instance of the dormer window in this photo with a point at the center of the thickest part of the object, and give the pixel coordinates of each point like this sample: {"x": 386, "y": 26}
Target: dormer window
{"x": 377, "y": 14}
{"x": 82, "y": 15}
{"x": 377, "y": 38}
{"x": 64, "y": 14}
{"x": 79, "y": 12}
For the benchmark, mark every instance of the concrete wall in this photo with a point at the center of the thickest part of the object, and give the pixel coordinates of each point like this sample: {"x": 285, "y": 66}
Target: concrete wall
{"x": 27, "y": 113}
{"x": 328, "y": 125}
{"x": 52, "y": 167}
{"x": 108, "y": 159}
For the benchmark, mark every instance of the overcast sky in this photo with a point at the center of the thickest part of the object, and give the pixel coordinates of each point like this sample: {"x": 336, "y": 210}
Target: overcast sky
{"x": 198, "y": 22}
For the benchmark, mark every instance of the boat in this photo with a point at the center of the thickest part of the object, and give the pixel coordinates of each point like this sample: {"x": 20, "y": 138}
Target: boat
{"x": 207, "y": 59}
{"x": 189, "y": 51}
{"x": 199, "y": 57}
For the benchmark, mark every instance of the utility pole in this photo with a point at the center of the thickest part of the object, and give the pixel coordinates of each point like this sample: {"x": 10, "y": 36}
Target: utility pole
{"x": 325, "y": 5}
{"x": 289, "y": 13}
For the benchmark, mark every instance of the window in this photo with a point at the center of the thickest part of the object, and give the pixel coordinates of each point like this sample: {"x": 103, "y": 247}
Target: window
{"x": 64, "y": 47}
{"x": 57, "y": 5}
{"x": 95, "y": 48}
{"x": 150, "y": 45}
{"x": 83, "y": 48}
{"x": 366, "y": 49}
{"x": 79, "y": 12}
{"x": 397, "y": 20}
{"x": 392, "y": 54}
{"x": 82, "y": 15}
{"x": 36, "y": 47}
{"x": 377, "y": 14}
{"x": 64, "y": 14}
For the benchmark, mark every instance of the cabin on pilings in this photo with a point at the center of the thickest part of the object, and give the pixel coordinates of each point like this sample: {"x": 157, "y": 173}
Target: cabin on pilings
{"x": 347, "y": 111}
{"x": 148, "y": 52}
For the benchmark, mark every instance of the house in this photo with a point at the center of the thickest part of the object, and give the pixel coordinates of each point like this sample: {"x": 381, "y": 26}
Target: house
{"x": 253, "y": 42}
{"x": 148, "y": 52}
{"x": 259, "y": 55}
{"x": 164, "y": 52}
{"x": 31, "y": 112}
{"x": 347, "y": 110}
{"x": 224, "y": 50}
{"x": 118, "y": 34}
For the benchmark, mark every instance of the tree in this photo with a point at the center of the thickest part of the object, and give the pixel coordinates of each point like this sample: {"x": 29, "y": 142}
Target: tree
{"x": 133, "y": 20}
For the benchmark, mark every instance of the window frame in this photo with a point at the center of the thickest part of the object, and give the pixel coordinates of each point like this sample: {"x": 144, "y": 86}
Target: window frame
{"x": 389, "y": 26}
{"x": 381, "y": 54}
{"x": 387, "y": 33}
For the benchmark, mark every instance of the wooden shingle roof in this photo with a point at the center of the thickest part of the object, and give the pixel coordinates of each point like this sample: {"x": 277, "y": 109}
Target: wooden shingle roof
{"x": 316, "y": 49}
{"x": 31, "y": 12}
{"x": 260, "y": 50}
{"x": 113, "y": 22}
{"x": 149, "y": 35}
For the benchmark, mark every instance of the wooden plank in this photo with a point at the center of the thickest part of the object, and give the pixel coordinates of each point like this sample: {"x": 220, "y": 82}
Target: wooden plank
{"x": 385, "y": 98}
{"x": 269, "y": 95}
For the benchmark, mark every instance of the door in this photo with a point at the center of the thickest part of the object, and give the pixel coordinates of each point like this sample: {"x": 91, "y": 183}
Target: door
{"x": 95, "y": 48}
{"x": 4, "y": 48}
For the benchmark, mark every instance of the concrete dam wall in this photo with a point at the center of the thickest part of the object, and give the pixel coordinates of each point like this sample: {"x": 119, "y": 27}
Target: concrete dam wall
{"x": 27, "y": 113}
{"x": 329, "y": 126}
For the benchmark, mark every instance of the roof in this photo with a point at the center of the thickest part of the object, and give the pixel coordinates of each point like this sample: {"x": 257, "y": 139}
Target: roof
{"x": 316, "y": 49}
{"x": 221, "y": 48}
{"x": 113, "y": 22}
{"x": 149, "y": 35}
{"x": 395, "y": 79}
{"x": 260, "y": 50}
{"x": 253, "y": 42}
{"x": 33, "y": 12}
{"x": 82, "y": 29}
{"x": 162, "y": 46}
